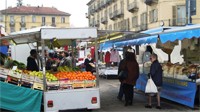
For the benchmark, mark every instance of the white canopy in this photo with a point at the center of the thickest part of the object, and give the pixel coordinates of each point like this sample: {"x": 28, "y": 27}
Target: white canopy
{"x": 47, "y": 33}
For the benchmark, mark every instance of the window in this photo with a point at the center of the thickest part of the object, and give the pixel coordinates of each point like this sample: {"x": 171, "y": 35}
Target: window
{"x": 11, "y": 18}
{"x": 12, "y": 29}
{"x": 153, "y": 15}
{"x": 1, "y": 18}
{"x": 143, "y": 24}
{"x": 110, "y": 27}
{"x": 105, "y": 13}
{"x": 23, "y": 19}
{"x": 53, "y": 20}
{"x": 62, "y": 19}
{"x": 134, "y": 21}
{"x": 43, "y": 21}
{"x": 33, "y": 19}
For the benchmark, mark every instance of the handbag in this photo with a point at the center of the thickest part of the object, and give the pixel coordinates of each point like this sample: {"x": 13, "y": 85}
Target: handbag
{"x": 150, "y": 86}
{"x": 123, "y": 75}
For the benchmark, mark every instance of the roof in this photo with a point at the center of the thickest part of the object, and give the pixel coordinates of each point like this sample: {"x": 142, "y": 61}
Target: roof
{"x": 34, "y": 11}
{"x": 90, "y": 2}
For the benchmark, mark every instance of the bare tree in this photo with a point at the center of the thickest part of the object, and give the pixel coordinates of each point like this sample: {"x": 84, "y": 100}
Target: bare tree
{"x": 19, "y": 3}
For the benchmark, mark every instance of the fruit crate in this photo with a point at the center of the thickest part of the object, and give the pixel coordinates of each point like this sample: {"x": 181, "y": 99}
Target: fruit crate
{"x": 65, "y": 84}
{"x": 13, "y": 80}
{"x": 3, "y": 74}
{"x": 53, "y": 85}
{"x": 14, "y": 74}
{"x": 90, "y": 83}
{"x": 27, "y": 78}
{"x": 38, "y": 80}
{"x": 38, "y": 86}
{"x": 78, "y": 84}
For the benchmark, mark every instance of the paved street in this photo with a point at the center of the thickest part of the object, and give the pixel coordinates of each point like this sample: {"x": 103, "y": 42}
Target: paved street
{"x": 109, "y": 102}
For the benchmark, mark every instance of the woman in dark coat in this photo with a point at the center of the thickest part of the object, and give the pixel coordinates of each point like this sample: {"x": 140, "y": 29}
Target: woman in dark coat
{"x": 31, "y": 61}
{"x": 129, "y": 64}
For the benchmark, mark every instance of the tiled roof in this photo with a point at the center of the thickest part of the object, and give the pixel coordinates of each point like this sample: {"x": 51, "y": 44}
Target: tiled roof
{"x": 34, "y": 11}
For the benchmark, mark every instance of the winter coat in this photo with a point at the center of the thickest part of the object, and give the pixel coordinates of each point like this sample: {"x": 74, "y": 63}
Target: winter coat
{"x": 133, "y": 71}
{"x": 156, "y": 73}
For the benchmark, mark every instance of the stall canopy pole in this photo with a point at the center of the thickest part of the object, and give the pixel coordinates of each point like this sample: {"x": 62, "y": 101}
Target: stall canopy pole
{"x": 96, "y": 60}
{"x": 44, "y": 65}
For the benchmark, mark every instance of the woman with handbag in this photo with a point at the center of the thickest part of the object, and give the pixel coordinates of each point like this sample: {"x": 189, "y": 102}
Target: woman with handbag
{"x": 156, "y": 75}
{"x": 130, "y": 68}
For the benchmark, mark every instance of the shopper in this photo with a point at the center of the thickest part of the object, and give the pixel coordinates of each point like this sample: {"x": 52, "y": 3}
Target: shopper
{"x": 156, "y": 75}
{"x": 64, "y": 61}
{"x": 31, "y": 61}
{"x": 131, "y": 66}
{"x": 89, "y": 64}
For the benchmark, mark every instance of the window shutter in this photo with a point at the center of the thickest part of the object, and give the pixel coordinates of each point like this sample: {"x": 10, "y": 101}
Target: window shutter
{"x": 174, "y": 15}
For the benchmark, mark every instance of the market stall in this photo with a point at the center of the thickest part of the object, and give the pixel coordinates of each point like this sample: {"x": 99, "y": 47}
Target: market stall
{"x": 180, "y": 77}
{"x": 67, "y": 88}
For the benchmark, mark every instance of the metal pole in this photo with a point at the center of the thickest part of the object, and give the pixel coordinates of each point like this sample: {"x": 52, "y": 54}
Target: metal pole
{"x": 96, "y": 59}
{"x": 44, "y": 73}
{"x": 5, "y": 15}
{"x": 188, "y": 11}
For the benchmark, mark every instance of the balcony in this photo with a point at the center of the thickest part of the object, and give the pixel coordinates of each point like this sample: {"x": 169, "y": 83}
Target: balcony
{"x": 108, "y": 2}
{"x": 149, "y": 2}
{"x": 119, "y": 13}
{"x": 132, "y": 7}
{"x": 102, "y": 4}
{"x": 12, "y": 23}
{"x": 111, "y": 16}
{"x": 23, "y": 24}
{"x": 104, "y": 20}
{"x": 53, "y": 24}
{"x": 178, "y": 22}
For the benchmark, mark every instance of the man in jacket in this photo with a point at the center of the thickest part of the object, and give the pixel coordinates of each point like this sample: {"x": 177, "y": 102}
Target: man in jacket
{"x": 156, "y": 75}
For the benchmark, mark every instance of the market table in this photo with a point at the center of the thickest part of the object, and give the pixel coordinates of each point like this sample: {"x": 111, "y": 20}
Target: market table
{"x": 20, "y": 99}
{"x": 108, "y": 71}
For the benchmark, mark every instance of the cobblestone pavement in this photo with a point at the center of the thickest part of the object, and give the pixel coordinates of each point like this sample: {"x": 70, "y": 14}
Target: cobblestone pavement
{"x": 109, "y": 102}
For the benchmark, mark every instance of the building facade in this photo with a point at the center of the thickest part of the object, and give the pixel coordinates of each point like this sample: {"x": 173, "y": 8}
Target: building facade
{"x": 26, "y": 17}
{"x": 139, "y": 15}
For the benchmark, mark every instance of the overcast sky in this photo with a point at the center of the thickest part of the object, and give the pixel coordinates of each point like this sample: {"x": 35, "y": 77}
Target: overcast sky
{"x": 77, "y": 8}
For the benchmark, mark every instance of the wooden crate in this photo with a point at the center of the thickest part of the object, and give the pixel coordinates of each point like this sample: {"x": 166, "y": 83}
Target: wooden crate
{"x": 78, "y": 84}
{"x": 38, "y": 80}
{"x": 90, "y": 83}
{"x": 38, "y": 86}
{"x": 14, "y": 74}
{"x": 27, "y": 78}
{"x": 3, "y": 73}
{"x": 13, "y": 80}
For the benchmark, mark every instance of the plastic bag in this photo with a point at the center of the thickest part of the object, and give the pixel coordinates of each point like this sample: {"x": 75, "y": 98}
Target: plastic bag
{"x": 150, "y": 87}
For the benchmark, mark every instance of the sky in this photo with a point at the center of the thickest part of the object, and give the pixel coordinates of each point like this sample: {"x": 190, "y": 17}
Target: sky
{"x": 77, "y": 8}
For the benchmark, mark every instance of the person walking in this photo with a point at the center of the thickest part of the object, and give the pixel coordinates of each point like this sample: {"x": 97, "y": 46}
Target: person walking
{"x": 156, "y": 74}
{"x": 130, "y": 65}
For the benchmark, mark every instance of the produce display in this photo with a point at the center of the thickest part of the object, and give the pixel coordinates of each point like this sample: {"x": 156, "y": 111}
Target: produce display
{"x": 179, "y": 71}
{"x": 65, "y": 78}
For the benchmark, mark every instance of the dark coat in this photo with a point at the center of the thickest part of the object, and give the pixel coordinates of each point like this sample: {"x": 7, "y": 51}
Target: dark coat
{"x": 156, "y": 73}
{"x": 133, "y": 71}
{"x": 88, "y": 67}
{"x": 31, "y": 64}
